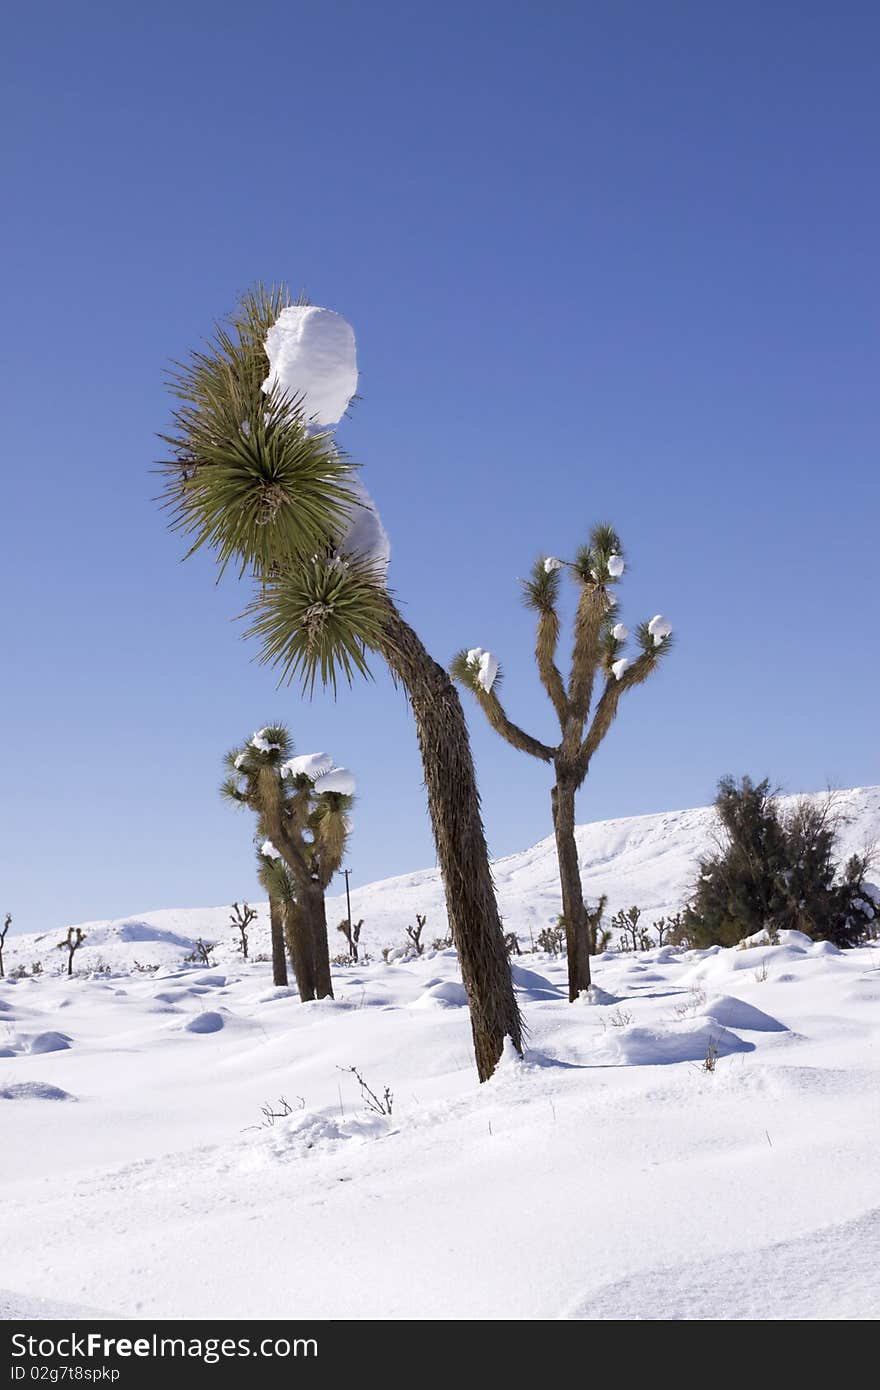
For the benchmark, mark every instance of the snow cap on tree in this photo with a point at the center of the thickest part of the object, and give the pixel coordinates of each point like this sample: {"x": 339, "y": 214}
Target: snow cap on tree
{"x": 339, "y": 780}
{"x": 486, "y": 665}
{"x": 620, "y": 632}
{"x": 366, "y": 538}
{"x": 313, "y": 360}
{"x": 268, "y": 850}
{"x": 263, "y": 744}
{"x": 616, "y": 565}
{"x": 659, "y": 628}
{"x": 618, "y": 667}
{"x": 551, "y": 564}
{"x": 309, "y": 765}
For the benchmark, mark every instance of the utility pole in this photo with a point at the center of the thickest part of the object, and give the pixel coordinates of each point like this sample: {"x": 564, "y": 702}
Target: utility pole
{"x": 348, "y": 898}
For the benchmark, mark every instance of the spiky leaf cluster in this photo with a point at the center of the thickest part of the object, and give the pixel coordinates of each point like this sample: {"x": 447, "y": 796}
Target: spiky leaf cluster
{"x": 249, "y": 478}
{"x": 316, "y": 620}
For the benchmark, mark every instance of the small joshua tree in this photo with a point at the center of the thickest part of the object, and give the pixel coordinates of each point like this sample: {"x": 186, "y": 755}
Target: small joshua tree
{"x": 552, "y": 938}
{"x": 584, "y": 721}
{"x": 669, "y": 929}
{"x": 302, "y": 805}
{"x": 201, "y": 953}
{"x": 633, "y": 936}
{"x": 6, "y": 925}
{"x": 71, "y": 943}
{"x": 240, "y": 918}
{"x": 598, "y": 937}
{"x": 415, "y": 933}
{"x": 352, "y": 934}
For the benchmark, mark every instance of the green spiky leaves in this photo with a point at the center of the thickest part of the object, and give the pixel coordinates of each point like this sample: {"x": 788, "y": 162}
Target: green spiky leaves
{"x": 601, "y": 561}
{"x": 541, "y": 589}
{"x": 316, "y": 621}
{"x": 465, "y": 670}
{"x": 247, "y": 477}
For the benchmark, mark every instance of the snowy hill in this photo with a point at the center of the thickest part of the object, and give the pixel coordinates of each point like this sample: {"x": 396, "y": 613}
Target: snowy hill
{"x": 644, "y": 860}
{"x": 698, "y": 1141}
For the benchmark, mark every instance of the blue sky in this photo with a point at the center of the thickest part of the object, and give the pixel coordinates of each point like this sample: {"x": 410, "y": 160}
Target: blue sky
{"x": 604, "y": 260}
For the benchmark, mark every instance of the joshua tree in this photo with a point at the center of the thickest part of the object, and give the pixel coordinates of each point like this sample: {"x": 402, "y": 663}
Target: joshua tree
{"x": 71, "y": 944}
{"x": 240, "y": 918}
{"x": 352, "y": 933}
{"x": 415, "y": 933}
{"x": 583, "y": 721}
{"x": 6, "y": 925}
{"x": 251, "y": 477}
{"x": 302, "y": 807}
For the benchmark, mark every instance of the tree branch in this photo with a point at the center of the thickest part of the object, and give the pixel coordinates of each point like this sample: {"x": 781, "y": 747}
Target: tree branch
{"x": 494, "y": 712}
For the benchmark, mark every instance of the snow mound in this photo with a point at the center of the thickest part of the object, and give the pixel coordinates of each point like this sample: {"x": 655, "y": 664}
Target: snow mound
{"x": 736, "y": 1013}
{"x": 50, "y": 1042}
{"x": 689, "y": 1041}
{"x": 34, "y": 1090}
{"x": 208, "y": 1022}
{"x": 313, "y": 357}
{"x": 597, "y": 996}
{"x": 447, "y": 994}
{"x": 305, "y": 1132}
{"x": 533, "y": 985}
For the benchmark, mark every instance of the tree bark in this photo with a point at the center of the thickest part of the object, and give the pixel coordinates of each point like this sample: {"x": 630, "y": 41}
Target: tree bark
{"x": 317, "y": 919}
{"x": 577, "y": 936}
{"x": 297, "y": 933}
{"x": 454, "y": 805}
{"x": 279, "y": 961}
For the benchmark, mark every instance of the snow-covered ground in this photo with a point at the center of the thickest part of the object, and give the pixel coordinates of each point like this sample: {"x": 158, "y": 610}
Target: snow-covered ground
{"x": 609, "y": 1174}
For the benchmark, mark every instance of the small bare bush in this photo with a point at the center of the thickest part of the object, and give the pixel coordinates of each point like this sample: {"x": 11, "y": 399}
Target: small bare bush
{"x": 379, "y": 1105}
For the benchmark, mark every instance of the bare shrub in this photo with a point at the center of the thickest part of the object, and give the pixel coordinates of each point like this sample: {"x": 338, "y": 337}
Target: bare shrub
{"x": 379, "y": 1105}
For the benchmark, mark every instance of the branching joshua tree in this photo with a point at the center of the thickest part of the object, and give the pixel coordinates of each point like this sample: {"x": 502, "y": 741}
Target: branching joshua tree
{"x": 302, "y": 807}
{"x": 6, "y": 925}
{"x": 584, "y": 713}
{"x": 71, "y": 944}
{"x": 352, "y": 933}
{"x": 240, "y": 918}
{"x": 254, "y": 477}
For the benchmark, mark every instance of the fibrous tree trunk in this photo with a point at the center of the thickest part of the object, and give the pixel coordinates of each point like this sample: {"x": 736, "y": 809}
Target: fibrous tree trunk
{"x": 574, "y": 913}
{"x": 317, "y": 917}
{"x": 297, "y": 934}
{"x": 276, "y": 922}
{"x": 454, "y": 805}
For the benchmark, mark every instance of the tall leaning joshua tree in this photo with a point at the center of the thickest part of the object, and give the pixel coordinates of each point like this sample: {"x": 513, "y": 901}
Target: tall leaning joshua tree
{"x": 584, "y": 716}
{"x": 254, "y": 477}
